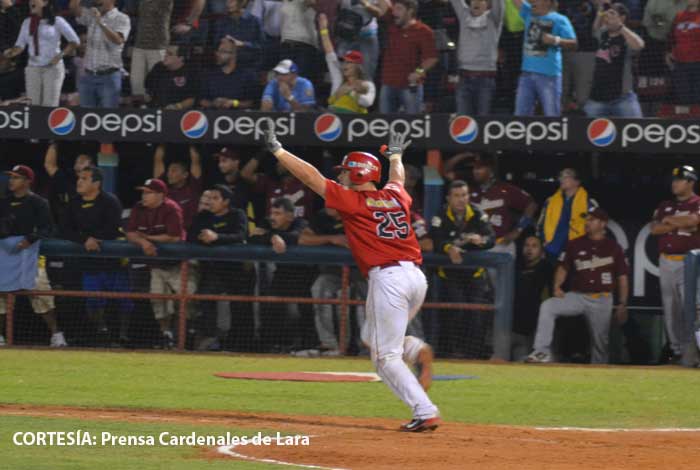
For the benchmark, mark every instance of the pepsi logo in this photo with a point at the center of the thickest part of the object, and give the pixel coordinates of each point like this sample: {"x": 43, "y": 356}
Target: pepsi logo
{"x": 601, "y": 132}
{"x": 328, "y": 127}
{"x": 61, "y": 121}
{"x": 464, "y": 129}
{"x": 194, "y": 124}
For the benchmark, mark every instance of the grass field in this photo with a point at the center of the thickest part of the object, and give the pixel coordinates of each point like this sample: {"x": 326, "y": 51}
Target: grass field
{"x": 502, "y": 394}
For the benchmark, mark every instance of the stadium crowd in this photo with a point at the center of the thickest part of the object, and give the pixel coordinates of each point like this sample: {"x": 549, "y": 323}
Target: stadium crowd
{"x": 566, "y": 263}
{"x": 476, "y": 58}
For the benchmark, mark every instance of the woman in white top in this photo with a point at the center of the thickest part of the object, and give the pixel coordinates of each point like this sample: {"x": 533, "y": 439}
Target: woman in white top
{"x": 351, "y": 91}
{"x": 41, "y": 34}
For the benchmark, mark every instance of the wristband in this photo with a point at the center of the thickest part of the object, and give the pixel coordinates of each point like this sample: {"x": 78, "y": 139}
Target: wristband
{"x": 420, "y": 71}
{"x": 324, "y": 32}
{"x": 394, "y": 157}
{"x": 235, "y": 103}
{"x": 557, "y": 40}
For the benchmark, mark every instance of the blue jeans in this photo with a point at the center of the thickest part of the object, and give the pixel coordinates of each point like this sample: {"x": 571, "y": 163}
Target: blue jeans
{"x": 626, "y": 106}
{"x": 391, "y": 100}
{"x": 474, "y": 95}
{"x": 369, "y": 46}
{"x": 686, "y": 82}
{"x": 100, "y": 91}
{"x": 536, "y": 86}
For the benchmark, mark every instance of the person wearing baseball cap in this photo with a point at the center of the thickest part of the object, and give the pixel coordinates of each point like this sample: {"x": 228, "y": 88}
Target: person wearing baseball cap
{"x": 595, "y": 266}
{"x": 351, "y": 91}
{"x": 30, "y": 218}
{"x": 560, "y": 220}
{"x": 675, "y": 224}
{"x": 158, "y": 219}
{"x": 288, "y": 91}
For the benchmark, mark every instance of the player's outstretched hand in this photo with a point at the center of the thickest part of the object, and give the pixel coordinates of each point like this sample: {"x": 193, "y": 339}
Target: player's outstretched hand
{"x": 397, "y": 144}
{"x": 271, "y": 141}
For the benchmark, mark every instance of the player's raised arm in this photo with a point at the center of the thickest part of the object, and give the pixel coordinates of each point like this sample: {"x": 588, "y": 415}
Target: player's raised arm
{"x": 302, "y": 170}
{"x": 394, "y": 151}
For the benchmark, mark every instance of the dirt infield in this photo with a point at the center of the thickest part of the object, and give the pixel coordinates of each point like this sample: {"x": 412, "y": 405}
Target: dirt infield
{"x": 360, "y": 443}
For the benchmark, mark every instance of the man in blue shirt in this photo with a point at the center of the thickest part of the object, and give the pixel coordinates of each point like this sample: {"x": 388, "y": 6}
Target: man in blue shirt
{"x": 244, "y": 29}
{"x": 546, "y": 34}
{"x": 227, "y": 86}
{"x": 288, "y": 91}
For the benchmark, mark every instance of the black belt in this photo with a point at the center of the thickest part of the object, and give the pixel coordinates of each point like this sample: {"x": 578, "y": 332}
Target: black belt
{"x": 394, "y": 263}
{"x": 102, "y": 72}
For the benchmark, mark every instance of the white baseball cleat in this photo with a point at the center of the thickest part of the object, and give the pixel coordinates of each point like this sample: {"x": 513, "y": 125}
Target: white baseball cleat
{"x": 58, "y": 340}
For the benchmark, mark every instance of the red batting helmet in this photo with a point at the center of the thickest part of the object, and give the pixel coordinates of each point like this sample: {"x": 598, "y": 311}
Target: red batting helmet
{"x": 363, "y": 167}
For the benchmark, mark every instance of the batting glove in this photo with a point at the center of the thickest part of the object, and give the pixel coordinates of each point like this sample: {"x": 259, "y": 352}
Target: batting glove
{"x": 397, "y": 144}
{"x": 271, "y": 142}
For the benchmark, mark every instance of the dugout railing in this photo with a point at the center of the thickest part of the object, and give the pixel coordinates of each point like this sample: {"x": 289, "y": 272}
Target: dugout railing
{"x": 65, "y": 251}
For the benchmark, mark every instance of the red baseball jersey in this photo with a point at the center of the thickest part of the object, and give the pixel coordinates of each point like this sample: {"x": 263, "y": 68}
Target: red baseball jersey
{"x": 678, "y": 242}
{"x": 499, "y": 201}
{"x": 377, "y": 224}
{"x": 594, "y": 265}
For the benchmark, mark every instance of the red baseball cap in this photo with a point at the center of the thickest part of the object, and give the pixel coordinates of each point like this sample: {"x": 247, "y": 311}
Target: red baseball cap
{"x": 353, "y": 57}
{"x": 154, "y": 185}
{"x": 23, "y": 171}
{"x": 226, "y": 152}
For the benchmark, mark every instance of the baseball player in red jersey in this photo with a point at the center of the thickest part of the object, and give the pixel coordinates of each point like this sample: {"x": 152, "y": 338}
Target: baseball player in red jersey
{"x": 378, "y": 228}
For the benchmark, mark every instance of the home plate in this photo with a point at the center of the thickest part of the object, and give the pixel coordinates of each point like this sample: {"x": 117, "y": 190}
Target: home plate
{"x": 322, "y": 376}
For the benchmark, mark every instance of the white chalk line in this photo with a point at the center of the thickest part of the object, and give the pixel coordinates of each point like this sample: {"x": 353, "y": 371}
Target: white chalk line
{"x": 228, "y": 450}
{"x": 570, "y": 428}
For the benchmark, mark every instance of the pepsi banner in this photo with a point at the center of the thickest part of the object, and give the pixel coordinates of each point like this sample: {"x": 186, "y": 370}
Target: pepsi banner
{"x": 429, "y": 131}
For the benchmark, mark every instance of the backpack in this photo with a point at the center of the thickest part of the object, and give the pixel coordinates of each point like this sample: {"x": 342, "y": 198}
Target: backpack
{"x": 348, "y": 24}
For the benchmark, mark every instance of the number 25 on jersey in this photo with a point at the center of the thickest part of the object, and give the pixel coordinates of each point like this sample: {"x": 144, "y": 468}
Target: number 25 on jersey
{"x": 392, "y": 225}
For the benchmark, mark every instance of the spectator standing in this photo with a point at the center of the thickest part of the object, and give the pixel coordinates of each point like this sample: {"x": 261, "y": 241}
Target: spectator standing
{"x": 684, "y": 54}
{"x": 11, "y": 70}
{"x": 577, "y": 72}
{"x": 280, "y": 186}
{"x": 227, "y": 85}
{"x": 187, "y": 27}
{"x": 560, "y": 220}
{"x": 245, "y": 30}
{"x": 351, "y": 91}
{"x": 501, "y": 201}
{"x": 184, "y": 184}
{"x": 29, "y": 217}
{"x": 596, "y": 265}
{"x": 408, "y": 56}
{"x": 108, "y": 30}
{"x": 41, "y": 35}
{"x": 152, "y": 38}
{"x": 220, "y": 225}
{"x": 94, "y": 216}
{"x": 658, "y": 23}
{"x": 360, "y": 31}
{"x": 269, "y": 12}
{"x": 614, "y": 95}
{"x": 281, "y": 323}
{"x": 532, "y": 286}
{"x": 173, "y": 83}
{"x": 158, "y": 219}
{"x": 477, "y": 53}
{"x": 299, "y": 36}
{"x": 288, "y": 91}
{"x": 461, "y": 227}
{"x": 675, "y": 223}
{"x": 546, "y": 34}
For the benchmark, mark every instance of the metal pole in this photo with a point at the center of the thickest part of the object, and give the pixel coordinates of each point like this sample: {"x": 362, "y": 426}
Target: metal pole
{"x": 182, "y": 311}
{"x": 344, "y": 307}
